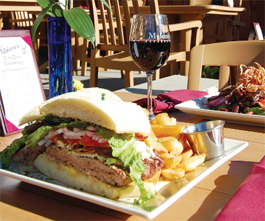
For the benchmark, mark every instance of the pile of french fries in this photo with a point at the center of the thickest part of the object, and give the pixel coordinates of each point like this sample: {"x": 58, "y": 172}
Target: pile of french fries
{"x": 167, "y": 139}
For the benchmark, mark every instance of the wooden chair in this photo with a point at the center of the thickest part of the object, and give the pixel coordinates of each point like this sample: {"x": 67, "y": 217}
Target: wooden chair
{"x": 187, "y": 34}
{"x": 233, "y": 25}
{"x": 25, "y": 20}
{"x": 220, "y": 28}
{"x": 115, "y": 27}
{"x": 77, "y": 41}
{"x": 21, "y": 19}
{"x": 225, "y": 55}
{"x": 2, "y": 15}
{"x": 200, "y": 2}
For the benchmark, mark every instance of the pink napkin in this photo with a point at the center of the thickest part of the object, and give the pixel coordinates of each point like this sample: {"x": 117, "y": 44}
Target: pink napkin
{"x": 248, "y": 203}
{"x": 165, "y": 102}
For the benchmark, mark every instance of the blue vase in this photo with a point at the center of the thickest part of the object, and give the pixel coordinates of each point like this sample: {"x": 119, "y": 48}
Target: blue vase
{"x": 60, "y": 56}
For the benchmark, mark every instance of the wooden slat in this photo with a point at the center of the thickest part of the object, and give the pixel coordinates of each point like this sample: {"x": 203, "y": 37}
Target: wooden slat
{"x": 118, "y": 16}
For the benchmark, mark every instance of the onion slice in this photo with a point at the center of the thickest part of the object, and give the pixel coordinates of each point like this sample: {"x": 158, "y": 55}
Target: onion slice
{"x": 75, "y": 133}
{"x": 41, "y": 142}
{"x": 216, "y": 102}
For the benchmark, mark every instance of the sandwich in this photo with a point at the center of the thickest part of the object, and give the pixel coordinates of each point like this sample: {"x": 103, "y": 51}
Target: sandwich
{"x": 90, "y": 140}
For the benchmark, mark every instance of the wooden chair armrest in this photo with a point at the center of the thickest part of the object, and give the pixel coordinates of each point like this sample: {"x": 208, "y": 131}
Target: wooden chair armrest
{"x": 21, "y": 20}
{"x": 111, "y": 47}
{"x": 185, "y": 25}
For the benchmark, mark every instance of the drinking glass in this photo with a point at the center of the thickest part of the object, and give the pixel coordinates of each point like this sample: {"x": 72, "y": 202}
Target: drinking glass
{"x": 149, "y": 47}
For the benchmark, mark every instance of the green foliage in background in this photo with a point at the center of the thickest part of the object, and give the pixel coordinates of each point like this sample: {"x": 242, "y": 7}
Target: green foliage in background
{"x": 210, "y": 72}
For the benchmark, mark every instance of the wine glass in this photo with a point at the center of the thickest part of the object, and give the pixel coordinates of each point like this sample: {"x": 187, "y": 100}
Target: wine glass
{"x": 149, "y": 47}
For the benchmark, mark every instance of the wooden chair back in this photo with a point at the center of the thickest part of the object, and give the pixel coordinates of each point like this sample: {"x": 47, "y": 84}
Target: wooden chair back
{"x": 237, "y": 3}
{"x": 220, "y": 28}
{"x": 20, "y": 5}
{"x": 21, "y": 20}
{"x": 25, "y": 20}
{"x": 111, "y": 39}
{"x": 200, "y": 2}
{"x": 192, "y": 33}
{"x": 214, "y": 28}
{"x": 225, "y": 55}
{"x": 2, "y": 15}
{"x": 234, "y": 24}
{"x": 113, "y": 25}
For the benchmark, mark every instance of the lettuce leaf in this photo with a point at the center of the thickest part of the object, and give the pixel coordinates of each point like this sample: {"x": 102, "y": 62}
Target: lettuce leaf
{"x": 256, "y": 110}
{"x": 8, "y": 152}
{"x": 219, "y": 107}
{"x": 123, "y": 147}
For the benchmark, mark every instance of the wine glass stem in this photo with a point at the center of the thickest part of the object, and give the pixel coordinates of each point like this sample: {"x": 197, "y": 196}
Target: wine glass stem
{"x": 149, "y": 94}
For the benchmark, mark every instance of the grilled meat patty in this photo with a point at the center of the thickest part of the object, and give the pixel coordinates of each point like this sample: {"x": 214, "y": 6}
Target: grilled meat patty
{"x": 91, "y": 161}
{"x": 28, "y": 154}
{"x": 88, "y": 163}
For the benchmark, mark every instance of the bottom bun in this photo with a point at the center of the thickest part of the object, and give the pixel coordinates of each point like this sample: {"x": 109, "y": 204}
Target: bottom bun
{"x": 69, "y": 176}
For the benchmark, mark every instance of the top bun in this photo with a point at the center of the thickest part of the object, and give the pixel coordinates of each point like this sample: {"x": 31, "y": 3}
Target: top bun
{"x": 94, "y": 105}
{"x": 88, "y": 93}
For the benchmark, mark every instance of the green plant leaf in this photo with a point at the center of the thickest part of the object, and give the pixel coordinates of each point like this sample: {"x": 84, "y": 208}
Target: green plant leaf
{"x": 80, "y": 22}
{"x": 105, "y": 3}
{"x": 55, "y": 11}
{"x": 37, "y": 22}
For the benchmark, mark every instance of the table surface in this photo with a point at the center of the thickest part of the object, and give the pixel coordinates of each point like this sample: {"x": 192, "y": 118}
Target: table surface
{"x": 22, "y": 201}
{"x": 171, "y": 83}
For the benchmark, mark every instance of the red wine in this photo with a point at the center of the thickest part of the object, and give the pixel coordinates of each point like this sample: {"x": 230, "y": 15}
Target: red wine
{"x": 149, "y": 55}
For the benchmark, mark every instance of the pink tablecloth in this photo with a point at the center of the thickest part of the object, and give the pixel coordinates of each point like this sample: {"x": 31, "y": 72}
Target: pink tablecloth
{"x": 248, "y": 203}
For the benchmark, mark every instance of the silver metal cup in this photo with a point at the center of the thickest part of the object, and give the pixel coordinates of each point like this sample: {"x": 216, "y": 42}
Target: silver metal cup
{"x": 206, "y": 137}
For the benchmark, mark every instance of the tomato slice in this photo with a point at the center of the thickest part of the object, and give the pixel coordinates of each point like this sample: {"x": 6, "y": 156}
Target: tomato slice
{"x": 262, "y": 103}
{"x": 85, "y": 141}
{"x": 57, "y": 137}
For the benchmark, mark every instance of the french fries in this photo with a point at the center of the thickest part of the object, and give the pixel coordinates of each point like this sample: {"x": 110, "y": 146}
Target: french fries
{"x": 172, "y": 161}
{"x": 152, "y": 140}
{"x": 172, "y": 145}
{"x": 178, "y": 154}
{"x": 192, "y": 162}
{"x": 166, "y": 130}
{"x": 164, "y": 126}
{"x": 173, "y": 173}
{"x": 186, "y": 154}
{"x": 196, "y": 143}
{"x": 164, "y": 119}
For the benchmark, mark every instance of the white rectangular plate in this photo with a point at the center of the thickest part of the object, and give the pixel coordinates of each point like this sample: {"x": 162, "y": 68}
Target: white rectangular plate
{"x": 196, "y": 107}
{"x": 167, "y": 192}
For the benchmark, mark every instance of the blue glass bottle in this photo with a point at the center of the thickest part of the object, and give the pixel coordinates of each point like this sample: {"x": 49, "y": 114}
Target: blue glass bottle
{"x": 60, "y": 56}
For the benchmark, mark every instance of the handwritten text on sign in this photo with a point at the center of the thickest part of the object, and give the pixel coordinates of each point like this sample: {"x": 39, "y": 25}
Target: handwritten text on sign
{"x": 19, "y": 82}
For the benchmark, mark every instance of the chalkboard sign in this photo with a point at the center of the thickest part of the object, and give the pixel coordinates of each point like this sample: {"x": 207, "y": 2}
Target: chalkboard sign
{"x": 20, "y": 82}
